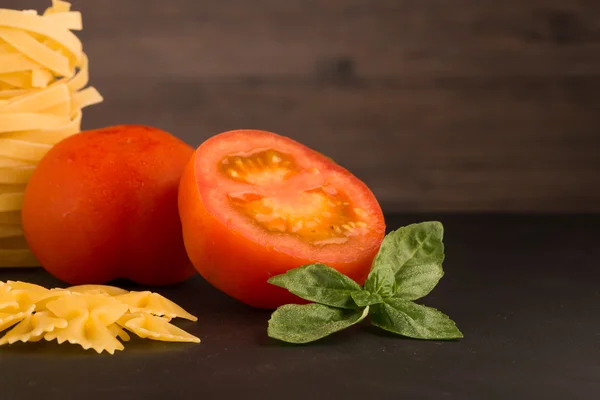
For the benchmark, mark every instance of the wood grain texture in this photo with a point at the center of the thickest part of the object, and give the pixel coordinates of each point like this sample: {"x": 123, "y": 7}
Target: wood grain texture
{"x": 451, "y": 145}
{"x": 369, "y": 38}
{"x": 461, "y": 105}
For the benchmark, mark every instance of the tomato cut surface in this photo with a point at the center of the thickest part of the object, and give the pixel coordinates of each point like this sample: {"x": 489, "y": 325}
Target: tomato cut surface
{"x": 254, "y": 204}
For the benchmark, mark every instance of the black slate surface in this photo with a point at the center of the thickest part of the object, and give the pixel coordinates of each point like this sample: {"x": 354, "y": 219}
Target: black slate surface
{"x": 525, "y": 291}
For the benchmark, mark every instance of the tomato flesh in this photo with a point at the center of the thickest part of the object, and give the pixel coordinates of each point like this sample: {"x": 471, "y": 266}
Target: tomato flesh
{"x": 254, "y": 204}
{"x": 320, "y": 215}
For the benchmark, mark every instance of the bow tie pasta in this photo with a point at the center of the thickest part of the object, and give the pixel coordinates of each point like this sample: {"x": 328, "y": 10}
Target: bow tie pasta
{"x": 93, "y": 316}
{"x": 98, "y": 289}
{"x": 154, "y": 303}
{"x": 11, "y": 316}
{"x": 33, "y": 328}
{"x": 154, "y": 327}
{"x": 119, "y": 332}
{"x": 88, "y": 317}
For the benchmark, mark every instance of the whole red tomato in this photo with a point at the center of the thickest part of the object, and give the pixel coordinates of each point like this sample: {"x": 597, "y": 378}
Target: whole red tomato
{"x": 254, "y": 204}
{"x": 102, "y": 205}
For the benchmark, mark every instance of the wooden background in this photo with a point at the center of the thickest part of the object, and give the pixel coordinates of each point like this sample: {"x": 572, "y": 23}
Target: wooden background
{"x": 459, "y": 105}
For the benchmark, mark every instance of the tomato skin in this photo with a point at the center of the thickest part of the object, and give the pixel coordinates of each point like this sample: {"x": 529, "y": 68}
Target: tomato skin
{"x": 236, "y": 263}
{"x": 102, "y": 205}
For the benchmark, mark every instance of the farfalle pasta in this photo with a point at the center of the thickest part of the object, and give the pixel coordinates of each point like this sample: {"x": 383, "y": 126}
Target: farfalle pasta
{"x": 4, "y": 288}
{"x": 98, "y": 289}
{"x": 27, "y": 293}
{"x": 93, "y": 316}
{"x": 119, "y": 332}
{"x": 154, "y": 303}
{"x": 150, "y": 326}
{"x": 33, "y": 328}
{"x": 88, "y": 317}
{"x": 10, "y": 316}
{"x": 43, "y": 74}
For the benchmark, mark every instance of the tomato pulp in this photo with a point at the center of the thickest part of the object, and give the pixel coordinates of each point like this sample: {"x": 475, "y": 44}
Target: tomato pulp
{"x": 254, "y": 204}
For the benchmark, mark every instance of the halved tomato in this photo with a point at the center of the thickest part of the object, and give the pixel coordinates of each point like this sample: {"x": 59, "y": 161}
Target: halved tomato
{"x": 254, "y": 204}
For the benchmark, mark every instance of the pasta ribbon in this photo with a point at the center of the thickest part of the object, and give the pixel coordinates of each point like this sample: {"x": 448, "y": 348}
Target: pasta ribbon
{"x": 43, "y": 78}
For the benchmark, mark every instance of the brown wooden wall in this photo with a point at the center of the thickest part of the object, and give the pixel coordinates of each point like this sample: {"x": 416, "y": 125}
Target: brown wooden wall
{"x": 477, "y": 105}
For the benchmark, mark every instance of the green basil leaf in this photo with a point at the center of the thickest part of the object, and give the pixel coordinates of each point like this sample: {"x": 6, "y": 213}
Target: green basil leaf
{"x": 413, "y": 320}
{"x": 416, "y": 281}
{"x": 320, "y": 284}
{"x": 415, "y": 254}
{"x": 295, "y": 323}
{"x": 411, "y": 245}
{"x": 381, "y": 281}
{"x": 365, "y": 298}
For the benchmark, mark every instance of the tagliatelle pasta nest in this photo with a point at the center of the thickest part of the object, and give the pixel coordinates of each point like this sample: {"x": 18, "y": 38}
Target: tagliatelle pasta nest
{"x": 43, "y": 73}
{"x": 92, "y": 316}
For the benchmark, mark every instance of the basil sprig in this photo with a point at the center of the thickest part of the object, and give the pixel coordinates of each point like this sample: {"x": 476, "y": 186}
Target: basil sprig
{"x": 407, "y": 267}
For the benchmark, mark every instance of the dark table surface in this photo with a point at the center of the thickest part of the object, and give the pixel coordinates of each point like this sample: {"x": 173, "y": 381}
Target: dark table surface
{"x": 525, "y": 291}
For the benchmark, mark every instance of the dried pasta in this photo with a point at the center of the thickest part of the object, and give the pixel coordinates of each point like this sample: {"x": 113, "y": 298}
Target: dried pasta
{"x": 33, "y": 328}
{"x": 11, "y": 316}
{"x": 28, "y": 293}
{"x": 98, "y": 289}
{"x": 52, "y": 295}
{"x": 20, "y": 295}
{"x": 119, "y": 332}
{"x": 154, "y": 303}
{"x": 17, "y": 302}
{"x": 4, "y": 288}
{"x": 93, "y": 316}
{"x": 88, "y": 317}
{"x": 154, "y": 327}
{"x": 43, "y": 74}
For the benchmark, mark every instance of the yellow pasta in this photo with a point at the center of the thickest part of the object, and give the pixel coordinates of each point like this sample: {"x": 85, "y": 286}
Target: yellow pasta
{"x": 119, "y": 332}
{"x": 20, "y": 294}
{"x": 154, "y": 303}
{"x": 4, "y": 288}
{"x": 10, "y": 218}
{"x": 39, "y": 100}
{"x": 27, "y": 45}
{"x": 10, "y": 201}
{"x": 13, "y": 315}
{"x": 10, "y": 231}
{"x": 58, "y": 6}
{"x": 33, "y": 328}
{"x": 52, "y": 295}
{"x": 156, "y": 328}
{"x": 53, "y": 27}
{"x": 17, "y": 302}
{"x": 43, "y": 74}
{"x": 98, "y": 289}
{"x": 7, "y": 301}
{"x": 27, "y": 293}
{"x": 16, "y": 62}
{"x": 93, "y": 316}
{"x": 88, "y": 317}
{"x": 17, "y": 174}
